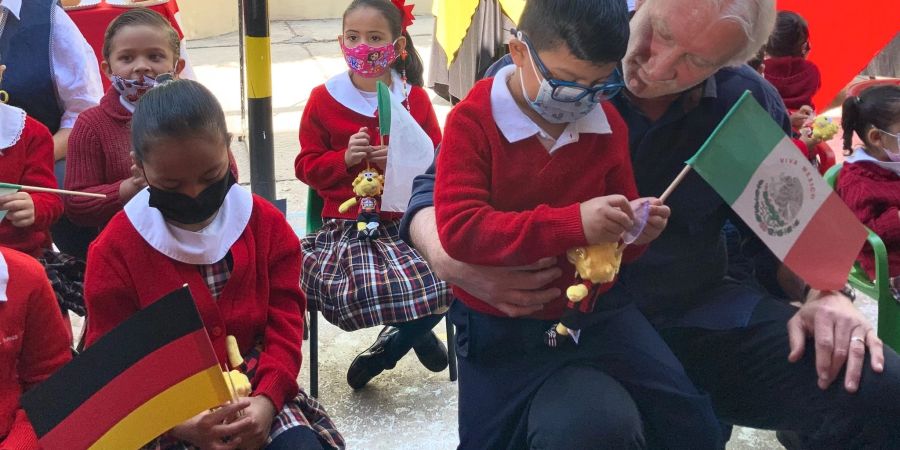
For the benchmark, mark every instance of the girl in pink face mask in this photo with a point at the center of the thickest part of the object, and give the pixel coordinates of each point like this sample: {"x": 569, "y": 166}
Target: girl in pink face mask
{"x": 869, "y": 181}
{"x": 361, "y": 278}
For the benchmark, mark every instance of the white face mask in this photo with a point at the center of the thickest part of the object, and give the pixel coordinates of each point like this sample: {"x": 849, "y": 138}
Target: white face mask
{"x": 552, "y": 110}
{"x": 895, "y": 157}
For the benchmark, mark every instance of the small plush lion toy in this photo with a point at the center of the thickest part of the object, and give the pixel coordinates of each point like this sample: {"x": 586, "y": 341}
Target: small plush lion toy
{"x": 367, "y": 186}
{"x": 594, "y": 265}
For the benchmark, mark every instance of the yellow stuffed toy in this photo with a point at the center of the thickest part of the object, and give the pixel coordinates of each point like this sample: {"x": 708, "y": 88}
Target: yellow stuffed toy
{"x": 824, "y": 128}
{"x": 594, "y": 265}
{"x": 367, "y": 186}
{"x": 237, "y": 382}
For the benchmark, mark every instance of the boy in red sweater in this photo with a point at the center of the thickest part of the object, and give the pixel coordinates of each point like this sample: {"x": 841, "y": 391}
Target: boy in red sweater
{"x": 138, "y": 46}
{"x": 34, "y": 342}
{"x": 533, "y": 163}
{"x": 869, "y": 181}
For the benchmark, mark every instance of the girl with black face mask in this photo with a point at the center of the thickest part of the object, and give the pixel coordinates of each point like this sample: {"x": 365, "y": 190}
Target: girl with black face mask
{"x": 194, "y": 225}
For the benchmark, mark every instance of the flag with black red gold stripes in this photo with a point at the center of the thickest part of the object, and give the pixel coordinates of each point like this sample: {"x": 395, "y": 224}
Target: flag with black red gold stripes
{"x": 152, "y": 372}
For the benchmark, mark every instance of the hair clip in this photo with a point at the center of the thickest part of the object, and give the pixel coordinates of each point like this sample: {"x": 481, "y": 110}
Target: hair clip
{"x": 406, "y": 13}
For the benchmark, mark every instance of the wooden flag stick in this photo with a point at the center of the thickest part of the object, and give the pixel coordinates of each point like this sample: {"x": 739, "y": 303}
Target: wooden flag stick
{"x": 675, "y": 183}
{"x": 60, "y": 191}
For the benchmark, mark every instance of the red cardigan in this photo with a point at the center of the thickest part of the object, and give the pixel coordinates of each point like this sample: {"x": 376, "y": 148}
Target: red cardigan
{"x": 33, "y": 344}
{"x": 325, "y": 130}
{"x": 873, "y": 193}
{"x": 30, "y": 162}
{"x": 261, "y": 302}
{"x": 99, "y": 159}
{"x": 498, "y": 203}
{"x": 796, "y": 79}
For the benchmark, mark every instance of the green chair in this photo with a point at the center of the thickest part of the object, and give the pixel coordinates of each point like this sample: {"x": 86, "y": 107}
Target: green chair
{"x": 880, "y": 288}
{"x": 314, "y": 205}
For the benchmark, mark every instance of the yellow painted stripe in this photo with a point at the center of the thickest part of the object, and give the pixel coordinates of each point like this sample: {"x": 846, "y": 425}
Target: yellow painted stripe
{"x": 259, "y": 67}
{"x": 201, "y": 391}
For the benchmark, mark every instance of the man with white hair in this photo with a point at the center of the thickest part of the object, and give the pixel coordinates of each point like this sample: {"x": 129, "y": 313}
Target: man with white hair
{"x": 684, "y": 70}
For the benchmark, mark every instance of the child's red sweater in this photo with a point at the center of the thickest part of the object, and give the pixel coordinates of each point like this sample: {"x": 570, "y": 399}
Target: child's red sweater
{"x": 325, "y": 131}
{"x": 796, "y": 79}
{"x": 511, "y": 204}
{"x": 33, "y": 344}
{"x": 99, "y": 159}
{"x": 873, "y": 193}
{"x": 30, "y": 162}
{"x": 261, "y": 303}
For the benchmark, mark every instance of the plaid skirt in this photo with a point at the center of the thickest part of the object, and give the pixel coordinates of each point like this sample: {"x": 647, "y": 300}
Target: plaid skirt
{"x": 66, "y": 275}
{"x": 360, "y": 283}
{"x": 301, "y": 411}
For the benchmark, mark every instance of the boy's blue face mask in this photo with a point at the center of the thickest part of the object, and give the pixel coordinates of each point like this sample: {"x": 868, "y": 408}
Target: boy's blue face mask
{"x": 559, "y": 101}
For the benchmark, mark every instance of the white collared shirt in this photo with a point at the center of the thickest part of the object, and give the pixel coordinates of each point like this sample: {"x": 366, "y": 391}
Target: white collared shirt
{"x": 517, "y": 126}
{"x": 860, "y": 155}
{"x": 75, "y": 71}
{"x": 342, "y": 89}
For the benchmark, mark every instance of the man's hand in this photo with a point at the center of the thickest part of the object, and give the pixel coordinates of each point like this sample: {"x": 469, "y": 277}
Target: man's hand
{"x": 516, "y": 291}
{"x": 20, "y": 209}
{"x": 841, "y": 334}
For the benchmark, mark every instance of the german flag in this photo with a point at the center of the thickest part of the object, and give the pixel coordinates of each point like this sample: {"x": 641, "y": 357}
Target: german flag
{"x": 152, "y": 372}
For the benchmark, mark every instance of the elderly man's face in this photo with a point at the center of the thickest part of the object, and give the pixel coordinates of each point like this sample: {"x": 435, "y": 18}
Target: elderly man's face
{"x": 676, "y": 44}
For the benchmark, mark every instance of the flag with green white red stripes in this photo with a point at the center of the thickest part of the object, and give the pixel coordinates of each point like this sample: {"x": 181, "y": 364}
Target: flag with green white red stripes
{"x": 758, "y": 170}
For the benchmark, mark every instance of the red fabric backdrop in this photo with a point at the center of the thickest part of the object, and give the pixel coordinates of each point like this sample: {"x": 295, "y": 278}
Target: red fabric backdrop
{"x": 845, "y": 36}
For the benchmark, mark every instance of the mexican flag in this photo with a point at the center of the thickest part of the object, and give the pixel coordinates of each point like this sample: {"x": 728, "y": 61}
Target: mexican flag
{"x": 758, "y": 170}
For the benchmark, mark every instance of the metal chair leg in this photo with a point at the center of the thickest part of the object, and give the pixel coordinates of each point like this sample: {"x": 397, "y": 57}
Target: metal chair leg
{"x": 313, "y": 352}
{"x": 451, "y": 349}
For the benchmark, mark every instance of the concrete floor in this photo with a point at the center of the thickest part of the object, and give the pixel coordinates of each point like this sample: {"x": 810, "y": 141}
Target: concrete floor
{"x": 405, "y": 408}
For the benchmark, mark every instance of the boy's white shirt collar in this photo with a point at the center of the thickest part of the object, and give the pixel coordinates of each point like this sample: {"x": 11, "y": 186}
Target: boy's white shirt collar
{"x": 204, "y": 247}
{"x": 517, "y": 126}
{"x": 342, "y": 89}
{"x": 860, "y": 155}
{"x": 12, "y": 122}
{"x": 4, "y": 278}
{"x": 14, "y": 6}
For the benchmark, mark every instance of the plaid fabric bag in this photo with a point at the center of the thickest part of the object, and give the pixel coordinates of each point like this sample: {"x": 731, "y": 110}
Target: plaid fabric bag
{"x": 360, "y": 283}
{"x": 66, "y": 274}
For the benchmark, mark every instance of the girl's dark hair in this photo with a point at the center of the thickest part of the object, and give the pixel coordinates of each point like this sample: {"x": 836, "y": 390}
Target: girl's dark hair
{"x": 415, "y": 70}
{"x": 790, "y": 35}
{"x": 141, "y": 16}
{"x": 593, "y": 30}
{"x": 176, "y": 109}
{"x": 877, "y": 106}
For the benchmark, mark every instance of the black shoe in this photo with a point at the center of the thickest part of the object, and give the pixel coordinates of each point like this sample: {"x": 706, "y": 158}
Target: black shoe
{"x": 372, "y": 361}
{"x": 432, "y": 353}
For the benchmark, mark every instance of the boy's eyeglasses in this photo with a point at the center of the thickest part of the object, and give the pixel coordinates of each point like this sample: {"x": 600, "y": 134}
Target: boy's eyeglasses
{"x": 570, "y": 91}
